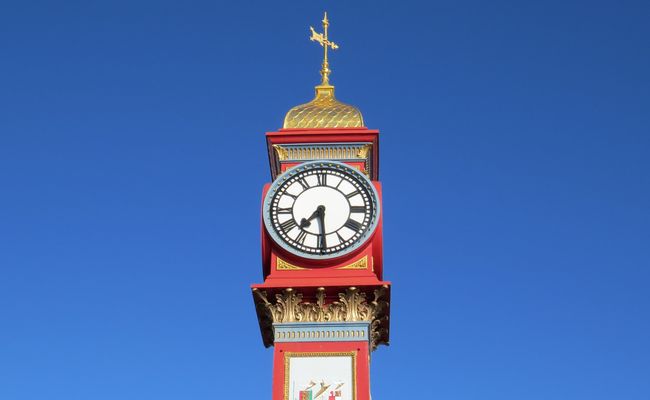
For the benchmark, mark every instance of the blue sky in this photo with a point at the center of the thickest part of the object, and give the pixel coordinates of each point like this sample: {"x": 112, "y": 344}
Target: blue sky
{"x": 514, "y": 159}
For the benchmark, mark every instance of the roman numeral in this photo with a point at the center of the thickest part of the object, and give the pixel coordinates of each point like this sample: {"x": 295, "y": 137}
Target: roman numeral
{"x": 351, "y": 195}
{"x": 352, "y": 224}
{"x": 303, "y": 183}
{"x": 322, "y": 179}
{"x": 290, "y": 195}
{"x": 358, "y": 209}
{"x": 288, "y": 225}
{"x": 285, "y": 210}
{"x": 301, "y": 237}
{"x": 320, "y": 240}
{"x": 341, "y": 240}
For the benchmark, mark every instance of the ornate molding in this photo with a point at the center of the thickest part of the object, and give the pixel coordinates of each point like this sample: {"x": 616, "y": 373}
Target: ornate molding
{"x": 363, "y": 151}
{"x": 323, "y": 151}
{"x": 352, "y": 305}
{"x": 281, "y": 152}
{"x": 322, "y": 332}
{"x": 282, "y": 265}
{"x": 361, "y": 263}
{"x": 300, "y": 152}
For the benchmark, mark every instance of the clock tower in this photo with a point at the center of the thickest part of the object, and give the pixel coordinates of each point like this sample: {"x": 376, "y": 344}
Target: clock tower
{"x": 323, "y": 305}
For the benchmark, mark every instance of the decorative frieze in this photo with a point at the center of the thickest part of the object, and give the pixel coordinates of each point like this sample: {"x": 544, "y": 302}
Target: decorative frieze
{"x": 322, "y": 332}
{"x": 297, "y": 153}
{"x": 352, "y": 305}
{"x": 282, "y": 265}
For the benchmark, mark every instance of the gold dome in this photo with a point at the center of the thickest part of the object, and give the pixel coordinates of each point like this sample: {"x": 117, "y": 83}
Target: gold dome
{"x": 324, "y": 111}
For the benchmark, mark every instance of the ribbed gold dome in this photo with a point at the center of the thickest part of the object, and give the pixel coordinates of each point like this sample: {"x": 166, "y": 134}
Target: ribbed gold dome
{"x": 324, "y": 111}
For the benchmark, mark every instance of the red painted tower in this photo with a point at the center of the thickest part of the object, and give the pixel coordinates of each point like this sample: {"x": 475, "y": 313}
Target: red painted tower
{"x": 324, "y": 305}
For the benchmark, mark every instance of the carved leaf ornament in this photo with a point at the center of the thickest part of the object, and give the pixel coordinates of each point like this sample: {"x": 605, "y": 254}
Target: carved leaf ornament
{"x": 351, "y": 306}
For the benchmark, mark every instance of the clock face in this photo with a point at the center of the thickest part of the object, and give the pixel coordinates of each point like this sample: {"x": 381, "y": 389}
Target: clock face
{"x": 321, "y": 209}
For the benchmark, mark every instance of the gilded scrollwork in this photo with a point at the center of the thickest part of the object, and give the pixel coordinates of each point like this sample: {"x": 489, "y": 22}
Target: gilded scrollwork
{"x": 281, "y": 152}
{"x": 291, "y": 153}
{"x": 363, "y": 151}
{"x": 362, "y": 263}
{"x": 352, "y": 306}
{"x": 282, "y": 265}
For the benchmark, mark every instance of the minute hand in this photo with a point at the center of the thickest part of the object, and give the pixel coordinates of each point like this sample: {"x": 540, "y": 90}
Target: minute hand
{"x": 321, "y": 222}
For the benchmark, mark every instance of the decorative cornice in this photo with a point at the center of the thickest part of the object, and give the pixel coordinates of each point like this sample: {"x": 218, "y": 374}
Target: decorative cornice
{"x": 363, "y": 151}
{"x": 352, "y": 305}
{"x": 293, "y": 153}
{"x": 282, "y": 153}
{"x": 323, "y": 151}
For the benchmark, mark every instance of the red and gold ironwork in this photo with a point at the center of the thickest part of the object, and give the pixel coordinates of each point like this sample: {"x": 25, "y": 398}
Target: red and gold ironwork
{"x": 328, "y": 311}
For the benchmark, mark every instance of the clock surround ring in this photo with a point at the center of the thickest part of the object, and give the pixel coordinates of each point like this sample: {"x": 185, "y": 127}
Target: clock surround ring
{"x": 336, "y": 166}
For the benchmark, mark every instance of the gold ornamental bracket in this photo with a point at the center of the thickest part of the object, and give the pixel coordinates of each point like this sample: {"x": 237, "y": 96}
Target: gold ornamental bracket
{"x": 352, "y": 305}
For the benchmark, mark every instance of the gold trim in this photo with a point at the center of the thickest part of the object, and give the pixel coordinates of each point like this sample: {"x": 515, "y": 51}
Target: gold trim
{"x": 363, "y": 152}
{"x": 281, "y": 152}
{"x": 351, "y": 354}
{"x": 323, "y": 152}
{"x": 282, "y": 265}
{"x": 352, "y": 305}
{"x": 362, "y": 263}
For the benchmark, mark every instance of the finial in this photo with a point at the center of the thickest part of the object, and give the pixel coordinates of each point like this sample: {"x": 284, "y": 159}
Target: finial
{"x": 324, "y": 111}
{"x": 326, "y": 43}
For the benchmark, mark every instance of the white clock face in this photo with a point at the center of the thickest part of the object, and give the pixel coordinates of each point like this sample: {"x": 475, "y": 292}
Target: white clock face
{"x": 321, "y": 209}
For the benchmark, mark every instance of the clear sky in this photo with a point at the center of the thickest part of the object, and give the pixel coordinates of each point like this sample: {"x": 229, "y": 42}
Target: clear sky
{"x": 514, "y": 157}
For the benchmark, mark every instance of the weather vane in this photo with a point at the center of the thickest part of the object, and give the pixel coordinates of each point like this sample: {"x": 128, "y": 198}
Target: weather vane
{"x": 326, "y": 43}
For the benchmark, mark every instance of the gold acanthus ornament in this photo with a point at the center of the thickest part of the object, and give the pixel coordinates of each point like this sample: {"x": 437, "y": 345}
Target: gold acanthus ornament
{"x": 351, "y": 306}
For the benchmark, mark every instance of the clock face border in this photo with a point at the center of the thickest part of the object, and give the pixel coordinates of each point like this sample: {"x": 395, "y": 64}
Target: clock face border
{"x": 327, "y": 164}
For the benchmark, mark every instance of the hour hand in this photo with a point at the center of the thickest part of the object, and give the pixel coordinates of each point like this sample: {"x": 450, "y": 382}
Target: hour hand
{"x": 305, "y": 222}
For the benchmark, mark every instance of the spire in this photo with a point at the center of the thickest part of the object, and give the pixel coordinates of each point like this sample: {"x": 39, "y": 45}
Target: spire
{"x": 324, "y": 111}
{"x": 324, "y": 41}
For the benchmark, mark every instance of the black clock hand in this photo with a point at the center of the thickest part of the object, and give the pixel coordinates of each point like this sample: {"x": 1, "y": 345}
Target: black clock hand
{"x": 321, "y": 222}
{"x": 305, "y": 222}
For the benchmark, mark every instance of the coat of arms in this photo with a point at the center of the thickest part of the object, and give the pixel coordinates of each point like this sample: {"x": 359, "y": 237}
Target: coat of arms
{"x": 321, "y": 391}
